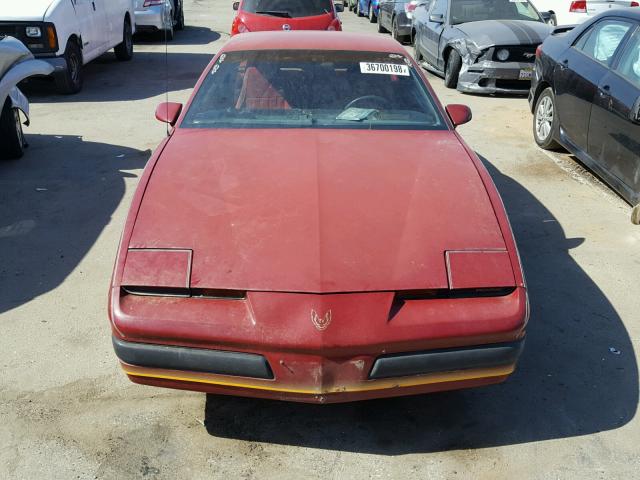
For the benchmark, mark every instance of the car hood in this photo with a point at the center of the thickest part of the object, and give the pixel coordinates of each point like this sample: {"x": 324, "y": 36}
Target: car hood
{"x": 316, "y": 210}
{"x": 505, "y": 32}
{"x": 32, "y": 10}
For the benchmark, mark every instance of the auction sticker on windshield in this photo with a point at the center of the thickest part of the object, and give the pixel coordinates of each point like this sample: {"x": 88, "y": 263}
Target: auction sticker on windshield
{"x": 384, "y": 68}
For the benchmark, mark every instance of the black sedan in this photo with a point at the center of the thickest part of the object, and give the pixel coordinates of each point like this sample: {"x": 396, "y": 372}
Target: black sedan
{"x": 396, "y": 16}
{"x": 585, "y": 96}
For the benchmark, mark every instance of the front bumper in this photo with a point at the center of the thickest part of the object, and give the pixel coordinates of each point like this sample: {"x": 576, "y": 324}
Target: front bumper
{"x": 495, "y": 77}
{"x": 332, "y": 380}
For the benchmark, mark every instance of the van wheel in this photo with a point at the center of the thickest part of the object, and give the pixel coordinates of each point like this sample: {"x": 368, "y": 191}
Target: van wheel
{"x": 452, "y": 69}
{"x": 180, "y": 17}
{"x": 124, "y": 51}
{"x": 69, "y": 81}
{"x": 13, "y": 142}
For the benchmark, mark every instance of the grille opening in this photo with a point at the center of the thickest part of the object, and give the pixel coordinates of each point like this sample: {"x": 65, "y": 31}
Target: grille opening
{"x": 402, "y": 297}
{"x": 209, "y": 293}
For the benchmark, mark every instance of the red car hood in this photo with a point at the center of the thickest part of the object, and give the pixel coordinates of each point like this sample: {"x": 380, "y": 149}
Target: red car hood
{"x": 316, "y": 210}
{"x": 257, "y": 23}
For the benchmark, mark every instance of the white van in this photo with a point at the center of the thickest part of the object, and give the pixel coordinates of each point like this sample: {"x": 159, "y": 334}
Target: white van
{"x": 572, "y": 12}
{"x": 70, "y": 33}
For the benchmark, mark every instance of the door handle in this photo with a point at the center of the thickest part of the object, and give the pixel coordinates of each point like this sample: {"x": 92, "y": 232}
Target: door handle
{"x": 564, "y": 64}
{"x": 93, "y": 4}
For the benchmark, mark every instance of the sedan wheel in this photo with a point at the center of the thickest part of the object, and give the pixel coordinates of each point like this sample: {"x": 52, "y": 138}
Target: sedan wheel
{"x": 545, "y": 122}
{"x": 372, "y": 16}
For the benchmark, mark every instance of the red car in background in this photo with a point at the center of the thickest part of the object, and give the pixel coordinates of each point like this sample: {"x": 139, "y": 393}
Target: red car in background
{"x": 315, "y": 229}
{"x": 260, "y": 15}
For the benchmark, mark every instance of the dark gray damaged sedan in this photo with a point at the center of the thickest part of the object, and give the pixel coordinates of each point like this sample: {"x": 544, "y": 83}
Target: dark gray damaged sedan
{"x": 480, "y": 46}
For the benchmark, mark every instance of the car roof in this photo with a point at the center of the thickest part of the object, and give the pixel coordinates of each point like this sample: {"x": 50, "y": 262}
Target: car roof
{"x": 313, "y": 40}
{"x": 631, "y": 13}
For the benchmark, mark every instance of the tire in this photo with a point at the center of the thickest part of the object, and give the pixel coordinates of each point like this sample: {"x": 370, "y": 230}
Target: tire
{"x": 372, "y": 16}
{"x": 69, "y": 81}
{"x": 417, "y": 55}
{"x": 180, "y": 17}
{"x": 545, "y": 121}
{"x": 452, "y": 69}
{"x": 124, "y": 51}
{"x": 168, "y": 33}
{"x": 381, "y": 29}
{"x": 13, "y": 142}
{"x": 394, "y": 32}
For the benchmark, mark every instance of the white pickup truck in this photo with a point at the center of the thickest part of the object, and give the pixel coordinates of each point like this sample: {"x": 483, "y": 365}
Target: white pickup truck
{"x": 70, "y": 33}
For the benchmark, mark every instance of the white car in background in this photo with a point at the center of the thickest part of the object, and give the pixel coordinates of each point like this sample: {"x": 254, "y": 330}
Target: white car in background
{"x": 70, "y": 33}
{"x": 572, "y": 12}
{"x": 160, "y": 16}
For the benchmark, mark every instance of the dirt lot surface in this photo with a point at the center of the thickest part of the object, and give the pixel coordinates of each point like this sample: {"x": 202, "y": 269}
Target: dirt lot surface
{"x": 67, "y": 410}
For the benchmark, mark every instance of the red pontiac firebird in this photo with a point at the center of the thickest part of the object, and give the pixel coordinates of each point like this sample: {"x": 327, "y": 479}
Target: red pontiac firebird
{"x": 314, "y": 229}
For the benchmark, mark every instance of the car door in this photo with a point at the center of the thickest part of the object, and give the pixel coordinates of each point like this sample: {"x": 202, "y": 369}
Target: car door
{"x": 578, "y": 74}
{"x": 433, "y": 32}
{"x": 92, "y": 31}
{"x": 614, "y": 127}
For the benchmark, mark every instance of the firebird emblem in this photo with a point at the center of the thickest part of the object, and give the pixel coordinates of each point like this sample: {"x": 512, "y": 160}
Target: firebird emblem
{"x": 321, "y": 323}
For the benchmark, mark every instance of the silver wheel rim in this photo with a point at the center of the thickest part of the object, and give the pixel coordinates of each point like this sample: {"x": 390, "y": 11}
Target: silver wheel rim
{"x": 544, "y": 118}
{"x": 370, "y": 12}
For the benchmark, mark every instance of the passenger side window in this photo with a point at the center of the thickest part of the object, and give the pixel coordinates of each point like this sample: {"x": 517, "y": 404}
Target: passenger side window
{"x": 601, "y": 41}
{"x": 629, "y": 65}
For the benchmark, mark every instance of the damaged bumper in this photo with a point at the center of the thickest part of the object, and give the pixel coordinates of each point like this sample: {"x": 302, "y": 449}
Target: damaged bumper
{"x": 496, "y": 77}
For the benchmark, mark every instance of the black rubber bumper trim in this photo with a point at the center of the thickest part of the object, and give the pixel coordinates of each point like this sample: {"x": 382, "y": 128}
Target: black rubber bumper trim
{"x": 193, "y": 359}
{"x": 446, "y": 360}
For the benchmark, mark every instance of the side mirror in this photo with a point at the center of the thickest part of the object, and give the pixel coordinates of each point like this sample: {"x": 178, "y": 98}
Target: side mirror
{"x": 459, "y": 114}
{"x": 549, "y": 18}
{"x": 236, "y": 5}
{"x": 339, "y": 7}
{"x": 436, "y": 18}
{"x": 168, "y": 112}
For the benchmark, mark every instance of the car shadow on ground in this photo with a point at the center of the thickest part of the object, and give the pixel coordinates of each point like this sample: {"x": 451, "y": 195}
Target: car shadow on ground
{"x": 568, "y": 382}
{"x": 53, "y": 207}
{"x": 148, "y": 75}
{"x": 191, "y": 35}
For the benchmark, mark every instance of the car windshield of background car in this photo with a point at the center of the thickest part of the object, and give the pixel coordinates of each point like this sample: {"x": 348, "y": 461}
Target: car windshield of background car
{"x": 288, "y": 8}
{"x": 464, "y": 11}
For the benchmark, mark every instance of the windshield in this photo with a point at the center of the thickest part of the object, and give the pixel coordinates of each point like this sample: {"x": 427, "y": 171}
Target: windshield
{"x": 288, "y": 8}
{"x": 313, "y": 89}
{"x": 463, "y": 11}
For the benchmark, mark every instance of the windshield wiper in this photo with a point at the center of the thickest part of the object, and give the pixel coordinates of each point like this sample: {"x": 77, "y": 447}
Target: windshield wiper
{"x": 275, "y": 13}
